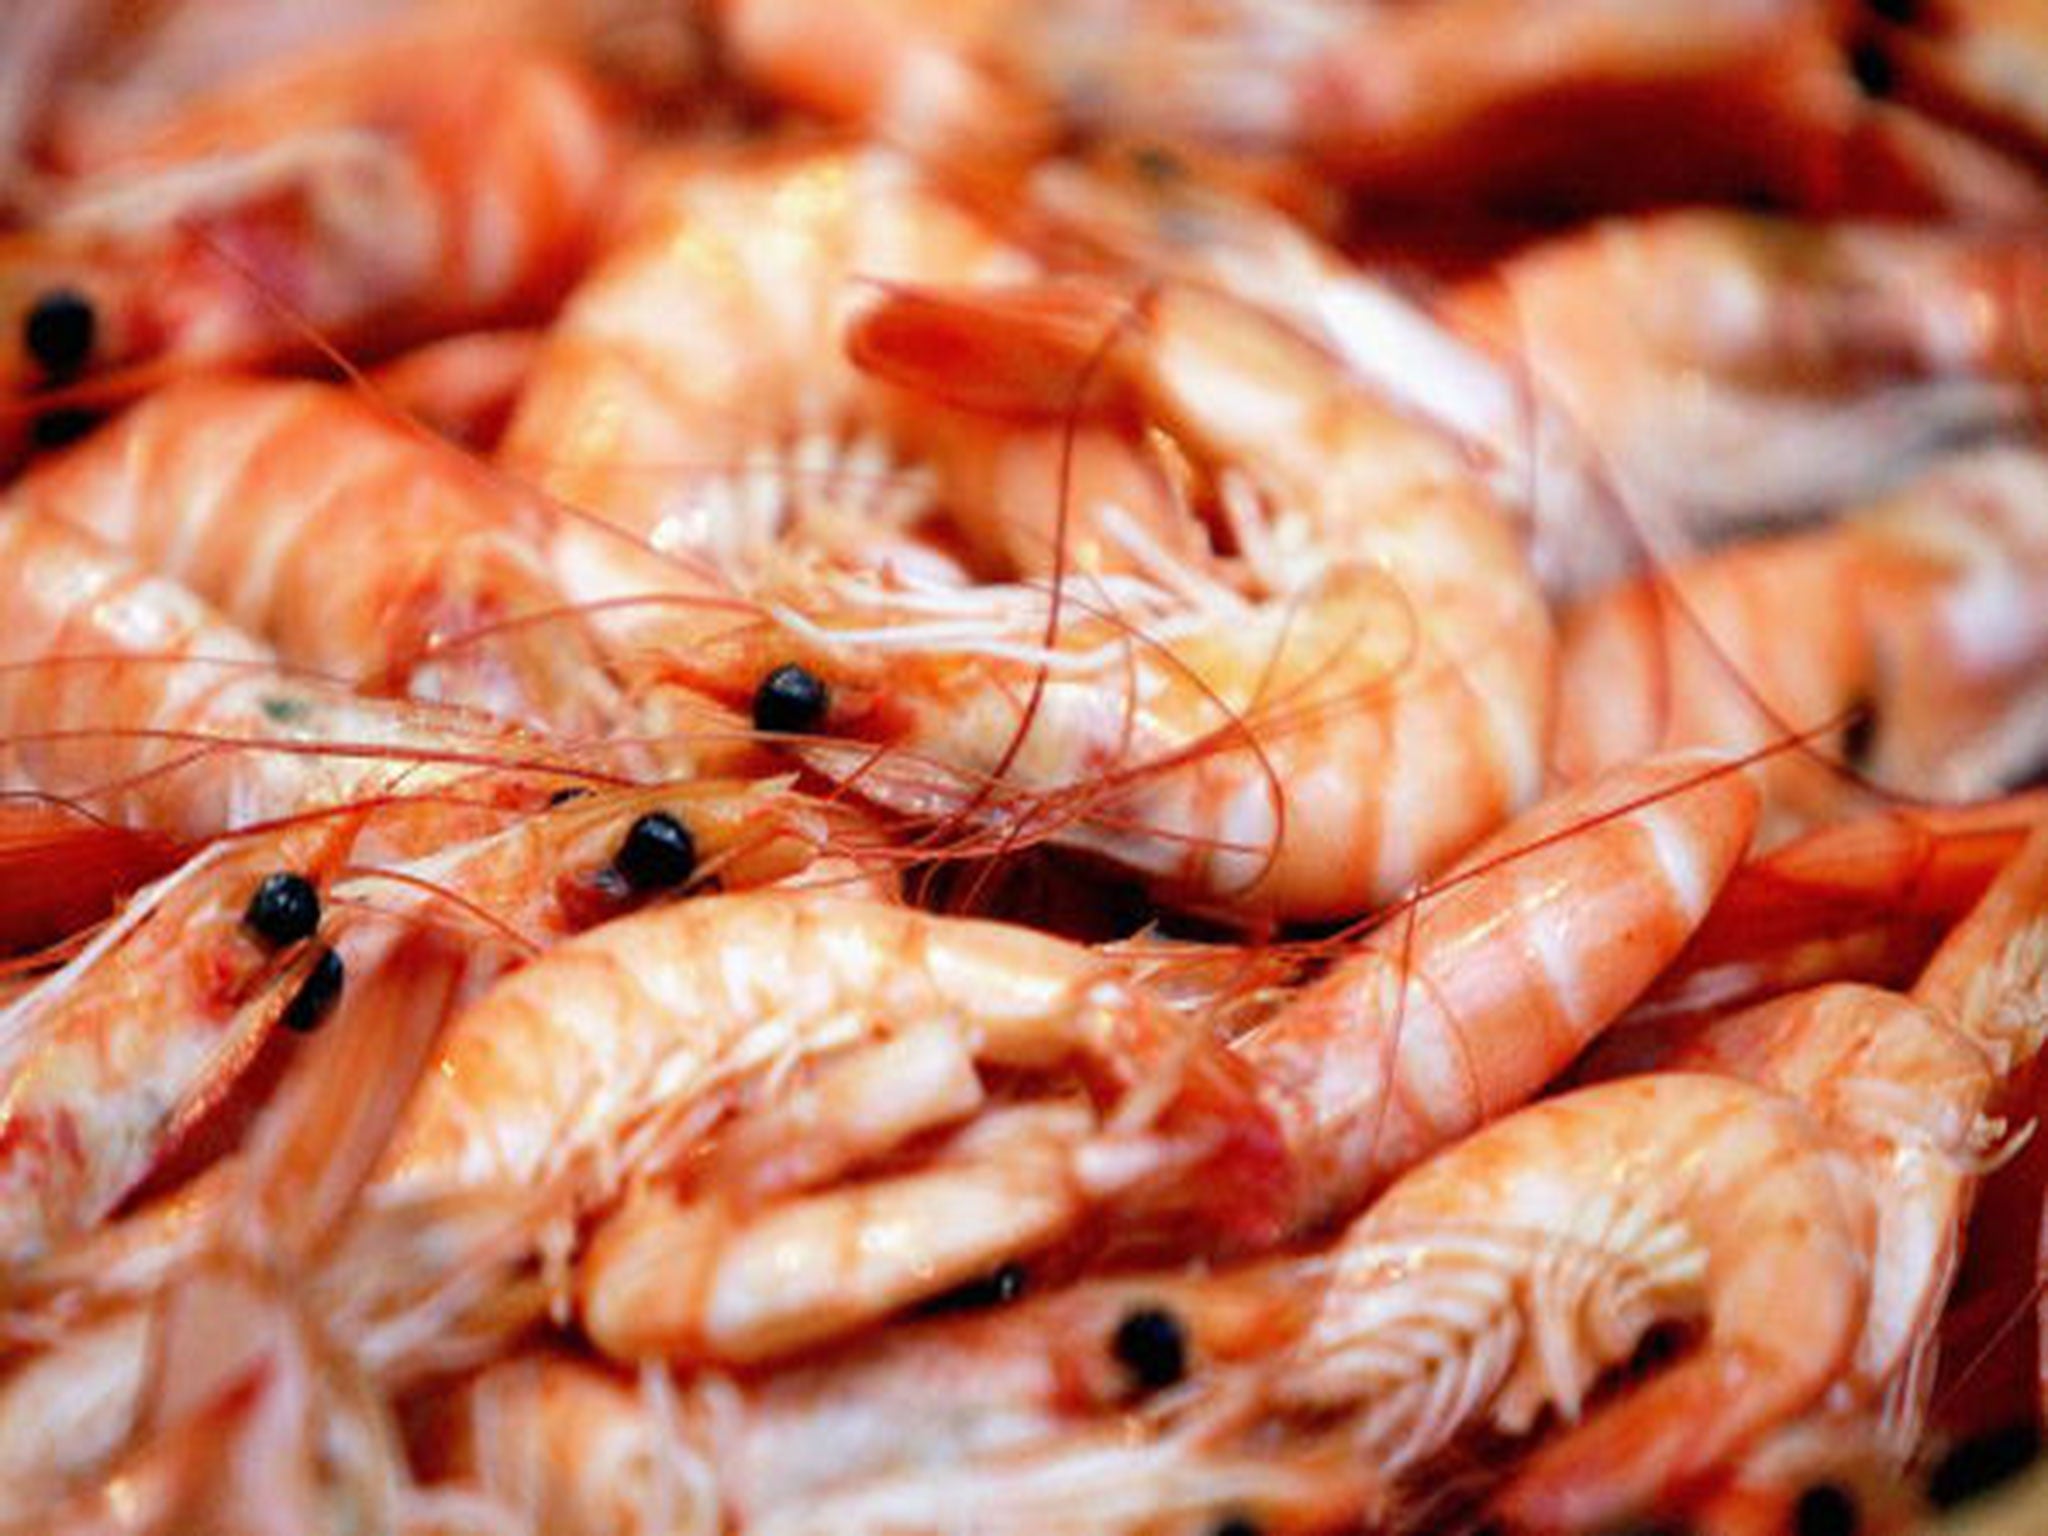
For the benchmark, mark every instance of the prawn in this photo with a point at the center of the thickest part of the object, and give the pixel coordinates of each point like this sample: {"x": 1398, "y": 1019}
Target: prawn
{"x": 1148, "y": 210}
{"x": 693, "y": 393}
{"x": 222, "y": 1322}
{"x": 1905, "y": 1096}
{"x": 729, "y": 1097}
{"x": 1516, "y": 959}
{"x": 372, "y": 194}
{"x": 1908, "y": 1094}
{"x": 382, "y": 556}
{"x": 1500, "y": 1278}
{"x": 1907, "y": 1086}
{"x": 107, "y": 1064}
{"x": 1349, "y": 1071}
{"x": 130, "y": 68}
{"x": 1832, "y": 361}
{"x": 564, "y": 1446}
{"x": 1205, "y": 735}
{"x": 938, "y": 82}
{"x": 128, "y": 696}
{"x": 253, "y": 938}
{"x": 1504, "y": 1275}
{"x": 1922, "y": 615}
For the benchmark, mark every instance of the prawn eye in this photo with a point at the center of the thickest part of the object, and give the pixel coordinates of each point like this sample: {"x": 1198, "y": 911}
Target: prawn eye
{"x": 1236, "y": 1525}
{"x": 657, "y": 853}
{"x": 790, "y": 701}
{"x": 1151, "y": 1344}
{"x": 1825, "y": 1509}
{"x": 61, "y": 428}
{"x": 316, "y": 996}
{"x": 1872, "y": 70}
{"x": 285, "y": 908}
{"x": 58, "y": 331}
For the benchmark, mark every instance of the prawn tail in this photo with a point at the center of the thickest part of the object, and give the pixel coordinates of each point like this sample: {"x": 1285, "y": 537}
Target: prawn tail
{"x": 61, "y": 870}
{"x": 1030, "y": 350}
{"x": 1660, "y": 1440}
{"x": 1245, "y": 1186}
{"x": 1229, "y": 1174}
{"x": 1990, "y": 975}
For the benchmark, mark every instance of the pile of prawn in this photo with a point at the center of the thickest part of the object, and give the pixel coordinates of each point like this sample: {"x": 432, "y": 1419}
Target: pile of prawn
{"x": 1121, "y": 766}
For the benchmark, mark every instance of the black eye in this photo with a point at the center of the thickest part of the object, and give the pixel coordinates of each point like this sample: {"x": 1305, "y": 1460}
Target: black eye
{"x": 62, "y": 427}
{"x": 790, "y": 701}
{"x": 1872, "y": 68}
{"x": 1236, "y": 1525}
{"x": 657, "y": 853}
{"x": 1151, "y": 1344}
{"x": 316, "y": 996}
{"x": 58, "y": 332}
{"x": 285, "y": 908}
{"x": 1825, "y": 1509}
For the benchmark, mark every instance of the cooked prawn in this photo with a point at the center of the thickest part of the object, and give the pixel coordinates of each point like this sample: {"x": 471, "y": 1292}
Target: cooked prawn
{"x": 1921, "y": 627}
{"x": 383, "y": 557}
{"x": 1807, "y": 365}
{"x": 924, "y": 1428}
{"x": 1500, "y": 1279}
{"x": 108, "y": 1063}
{"x": 1907, "y": 1087}
{"x": 1470, "y": 100}
{"x": 1503, "y": 1276}
{"x": 1908, "y": 1093}
{"x": 223, "y": 1321}
{"x": 1147, "y": 211}
{"x": 129, "y": 696}
{"x": 1540, "y": 939}
{"x": 937, "y": 82}
{"x": 375, "y": 193}
{"x": 1201, "y": 726}
{"x": 693, "y": 391}
{"x": 656, "y": 1049}
{"x": 130, "y": 1052}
